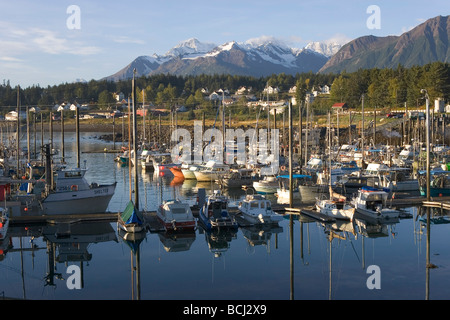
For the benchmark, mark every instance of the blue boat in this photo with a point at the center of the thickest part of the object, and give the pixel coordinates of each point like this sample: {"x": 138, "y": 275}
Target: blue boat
{"x": 214, "y": 213}
{"x": 439, "y": 184}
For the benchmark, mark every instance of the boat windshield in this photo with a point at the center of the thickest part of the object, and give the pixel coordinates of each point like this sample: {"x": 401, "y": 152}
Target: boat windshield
{"x": 178, "y": 210}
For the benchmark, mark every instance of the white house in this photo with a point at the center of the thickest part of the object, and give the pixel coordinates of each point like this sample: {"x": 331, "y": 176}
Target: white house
{"x": 439, "y": 105}
{"x": 119, "y": 96}
{"x": 271, "y": 90}
{"x": 12, "y": 115}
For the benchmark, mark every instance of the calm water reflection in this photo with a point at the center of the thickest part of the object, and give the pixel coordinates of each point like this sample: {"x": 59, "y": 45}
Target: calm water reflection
{"x": 300, "y": 259}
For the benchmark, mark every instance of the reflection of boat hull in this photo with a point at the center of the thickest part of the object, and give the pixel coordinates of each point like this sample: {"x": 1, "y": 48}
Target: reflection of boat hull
{"x": 94, "y": 200}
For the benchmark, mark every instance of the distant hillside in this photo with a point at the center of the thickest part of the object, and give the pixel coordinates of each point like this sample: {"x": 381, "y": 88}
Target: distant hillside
{"x": 426, "y": 43}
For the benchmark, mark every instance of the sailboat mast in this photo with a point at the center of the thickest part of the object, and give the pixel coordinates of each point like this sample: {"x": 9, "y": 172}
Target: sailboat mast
{"x": 136, "y": 193}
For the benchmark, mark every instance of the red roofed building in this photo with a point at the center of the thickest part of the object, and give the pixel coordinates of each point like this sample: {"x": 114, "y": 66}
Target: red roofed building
{"x": 340, "y": 106}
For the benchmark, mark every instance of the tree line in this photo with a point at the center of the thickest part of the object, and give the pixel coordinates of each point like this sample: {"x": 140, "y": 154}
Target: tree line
{"x": 382, "y": 88}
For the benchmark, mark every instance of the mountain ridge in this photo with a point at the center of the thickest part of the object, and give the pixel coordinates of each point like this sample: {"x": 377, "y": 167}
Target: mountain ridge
{"x": 255, "y": 57}
{"x": 428, "y": 42}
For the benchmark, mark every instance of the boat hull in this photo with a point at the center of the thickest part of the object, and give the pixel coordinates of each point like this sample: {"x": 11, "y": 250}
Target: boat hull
{"x": 188, "y": 174}
{"x": 170, "y": 226}
{"x": 95, "y": 200}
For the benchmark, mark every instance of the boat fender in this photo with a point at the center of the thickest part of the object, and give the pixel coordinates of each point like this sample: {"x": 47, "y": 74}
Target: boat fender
{"x": 283, "y": 168}
{"x": 74, "y": 187}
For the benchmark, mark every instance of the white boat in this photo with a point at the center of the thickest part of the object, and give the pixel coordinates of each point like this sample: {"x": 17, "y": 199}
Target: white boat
{"x": 372, "y": 203}
{"x": 297, "y": 194}
{"x": 176, "y": 216}
{"x": 188, "y": 171}
{"x": 4, "y": 223}
{"x": 146, "y": 160}
{"x": 212, "y": 171}
{"x": 258, "y": 209}
{"x": 74, "y": 195}
{"x": 131, "y": 219}
{"x": 335, "y": 208}
{"x": 214, "y": 213}
{"x": 269, "y": 184}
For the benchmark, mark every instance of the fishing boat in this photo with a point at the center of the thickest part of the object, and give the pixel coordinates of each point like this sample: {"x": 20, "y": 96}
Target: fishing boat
{"x": 269, "y": 184}
{"x": 258, "y": 209}
{"x": 283, "y": 188}
{"x": 131, "y": 219}
{"x": 74, "y": 195}
{"x": 176, "y": 215}
{"x": 214, "y": 213}
{"x": 4, "y": 223}
{"x": 212, "y": 171}
{"x": 439, "y": 184}
{"x": 372, "y": 203}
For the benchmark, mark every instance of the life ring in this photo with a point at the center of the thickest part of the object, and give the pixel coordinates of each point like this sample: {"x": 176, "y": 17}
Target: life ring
{"x": 74, "y": 187}
{"x": 283, "y": 168}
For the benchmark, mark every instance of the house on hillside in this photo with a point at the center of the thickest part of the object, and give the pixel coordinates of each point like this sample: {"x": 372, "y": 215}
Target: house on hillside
{"x": 340, "y": 107}
{"x": 271, "y": 90}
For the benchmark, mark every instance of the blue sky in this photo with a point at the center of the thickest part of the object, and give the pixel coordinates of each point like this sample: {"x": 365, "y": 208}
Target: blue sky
{"x": 37, "y": 47}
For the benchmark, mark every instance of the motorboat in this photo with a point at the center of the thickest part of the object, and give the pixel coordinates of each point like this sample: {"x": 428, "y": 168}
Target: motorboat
{"x": 74, "y": 195}
{"x": 257, "y": 209}
{"x": 283, "y": 188}
{"x": 131, "y": 219}
{"x": 237, "y": 178}
{"x": 372, "y": 203}
{"x": 269, "y": 184}
{"x": 212, "y": 171}
{"x": 214, "y": 213}
{"x": 439, "y": 183}
{"x": 335, "y": 208}
{"x": 176, "y": 215}
{"x": 188, "y": 170}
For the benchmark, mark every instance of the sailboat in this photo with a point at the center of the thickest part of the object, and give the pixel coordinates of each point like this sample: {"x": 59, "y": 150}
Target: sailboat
{"x": 336, "y": 206}
{"x": 131, "y": 219}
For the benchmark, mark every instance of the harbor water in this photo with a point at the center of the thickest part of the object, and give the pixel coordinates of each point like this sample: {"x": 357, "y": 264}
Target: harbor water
{"x": 301, "y": 259}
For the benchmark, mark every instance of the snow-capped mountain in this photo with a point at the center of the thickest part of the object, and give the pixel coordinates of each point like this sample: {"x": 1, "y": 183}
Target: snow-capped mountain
{"x": 255, "y": 57}
{"x": 328, "y": 49}
{"x": 190, "y": 47}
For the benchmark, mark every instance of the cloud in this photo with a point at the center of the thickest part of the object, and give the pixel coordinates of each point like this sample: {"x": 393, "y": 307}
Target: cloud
{"x": 18, "y": 41}
{"x": 10, "y": 59}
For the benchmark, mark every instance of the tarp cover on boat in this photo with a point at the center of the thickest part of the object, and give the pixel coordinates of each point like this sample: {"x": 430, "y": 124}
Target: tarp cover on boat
{"x": 131, "y": 214}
